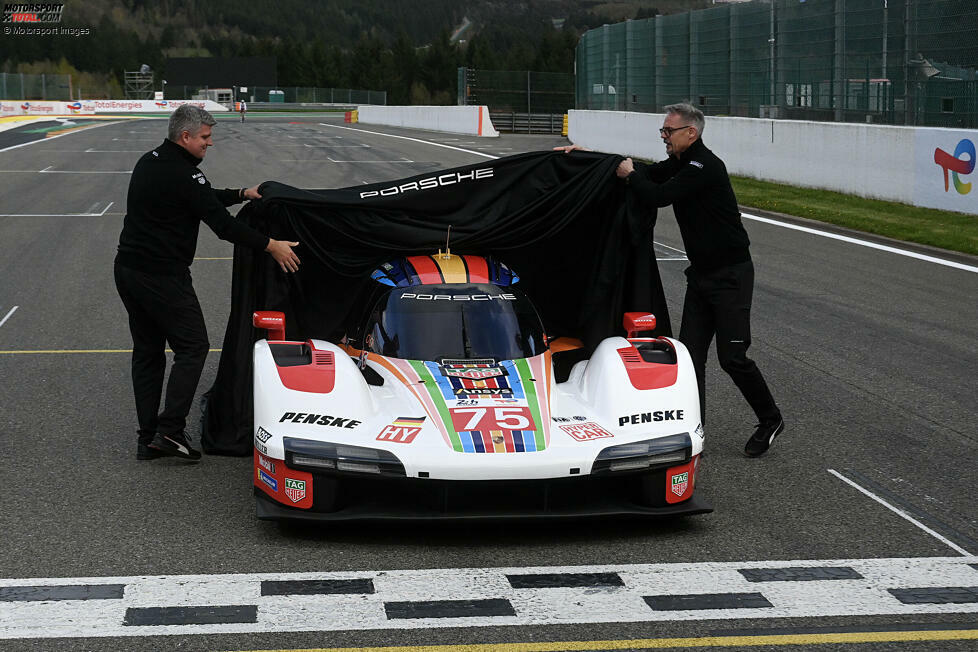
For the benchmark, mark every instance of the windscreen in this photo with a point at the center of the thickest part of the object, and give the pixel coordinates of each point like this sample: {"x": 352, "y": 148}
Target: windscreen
{"x": 457, "y": 321}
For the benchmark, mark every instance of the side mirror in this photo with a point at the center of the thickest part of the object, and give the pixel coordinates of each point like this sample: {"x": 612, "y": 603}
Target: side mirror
{"x": 636, "y": 322}
{"x": 272, "y": 321}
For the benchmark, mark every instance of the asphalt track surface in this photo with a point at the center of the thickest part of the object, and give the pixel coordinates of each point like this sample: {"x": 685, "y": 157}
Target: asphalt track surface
{"x": 871, "y": 355}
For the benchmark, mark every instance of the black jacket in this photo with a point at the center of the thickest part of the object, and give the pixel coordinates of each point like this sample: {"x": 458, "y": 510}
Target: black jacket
{"x": 698, "y": 187}
{"x": 168, "y": 198}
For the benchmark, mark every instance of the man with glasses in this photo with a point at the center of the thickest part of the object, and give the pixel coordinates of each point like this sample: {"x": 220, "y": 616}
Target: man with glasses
{"x": 720, "y": 277}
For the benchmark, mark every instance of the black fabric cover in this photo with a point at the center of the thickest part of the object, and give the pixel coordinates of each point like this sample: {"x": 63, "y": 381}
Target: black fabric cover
{"x": 580, "y": 243}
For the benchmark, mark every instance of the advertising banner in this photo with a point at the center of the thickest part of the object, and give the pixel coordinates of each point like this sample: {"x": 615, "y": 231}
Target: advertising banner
{"x": 89, "y": 107}
{"x": 945, "y": 169}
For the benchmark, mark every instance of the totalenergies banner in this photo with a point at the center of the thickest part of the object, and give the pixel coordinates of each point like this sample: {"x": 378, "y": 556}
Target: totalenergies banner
{"x": 89, "y": 107}
{"x": 945, "y": 166}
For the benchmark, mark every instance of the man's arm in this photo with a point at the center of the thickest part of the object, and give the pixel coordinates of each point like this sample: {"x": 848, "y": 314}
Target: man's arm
{"x": 226, "y": 227}
{"x": 232, "y": 196}
{"x": 689, "y": 181}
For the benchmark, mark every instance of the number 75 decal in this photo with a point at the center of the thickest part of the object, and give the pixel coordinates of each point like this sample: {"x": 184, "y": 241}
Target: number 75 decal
{"x": 485, "y": 418}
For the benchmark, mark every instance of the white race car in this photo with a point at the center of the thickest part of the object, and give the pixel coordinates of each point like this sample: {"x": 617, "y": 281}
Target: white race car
{"x": 447, "y": 400}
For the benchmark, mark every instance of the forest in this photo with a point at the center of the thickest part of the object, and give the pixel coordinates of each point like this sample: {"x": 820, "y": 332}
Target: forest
{"x": 408, "y": 49}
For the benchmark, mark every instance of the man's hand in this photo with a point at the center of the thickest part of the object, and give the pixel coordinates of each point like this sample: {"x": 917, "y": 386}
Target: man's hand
{"x": 566, "y": 149}
{"x": 281, "y": 251}
{"x": 252, "y": 193}
{"x": 625, "y": 168}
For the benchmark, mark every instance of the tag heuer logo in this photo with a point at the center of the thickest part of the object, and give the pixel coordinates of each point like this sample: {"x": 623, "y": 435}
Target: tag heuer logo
{"x": 679, "y": 483}
{"x": 296, "y": 489}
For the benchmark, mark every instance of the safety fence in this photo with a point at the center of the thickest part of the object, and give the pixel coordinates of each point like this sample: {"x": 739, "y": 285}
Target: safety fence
{"x": 277, "y": 94}
{"x": 520, "y": 91}
{"x": 26, "y": 86}
{"x": 889, "y": 61}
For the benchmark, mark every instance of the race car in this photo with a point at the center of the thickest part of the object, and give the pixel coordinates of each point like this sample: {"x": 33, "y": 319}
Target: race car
{"x": 443, "y": 402}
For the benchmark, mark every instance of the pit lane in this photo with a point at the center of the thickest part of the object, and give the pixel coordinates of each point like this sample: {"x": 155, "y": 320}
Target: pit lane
{"x": 871, "y": 355}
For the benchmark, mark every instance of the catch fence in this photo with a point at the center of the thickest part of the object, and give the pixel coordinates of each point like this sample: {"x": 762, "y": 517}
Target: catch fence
{"x": 909, "y": 62}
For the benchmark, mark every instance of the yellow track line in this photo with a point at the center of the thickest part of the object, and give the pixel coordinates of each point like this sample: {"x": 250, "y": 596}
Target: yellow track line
{"x": 672, "y": 643}
{"x": 79, "y": 351}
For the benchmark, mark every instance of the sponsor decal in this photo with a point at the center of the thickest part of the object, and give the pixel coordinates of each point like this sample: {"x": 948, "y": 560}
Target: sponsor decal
{"x": 75, "y": 106}
{"x": 262, "y": 448}
{"x": 469, "y": 392}
{"x": 955, "y": 165}
{"x": 679, "y": 482}
{"x": 561, "y": 419}
{"x": 402, "y": 431}
{"x": 269, "y": 480}
{"x": 266, "y": 464}
{"x": 469, "y": 401}
{"x": 579, "y": 418}
{"x": 699, "y": 431}
{"x": 262, "y": 435}
{"x": 295, "y": 489}
{"x": 586, "y": 431}
{"x": 430, "y": 183}
{"x": 319, "y": 420}
{"x": 458, "y": 297}
{"x": 648, "y": 417}
{"x": 162, "y": 104}
{"x": 473, "y": 373}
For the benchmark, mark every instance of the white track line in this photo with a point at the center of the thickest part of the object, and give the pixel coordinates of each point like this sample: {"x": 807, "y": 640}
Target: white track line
{"x": 900, "y": 512}
{"x": 415, "y": 140}
{"x": 869, "y": 592}
{"x": 4, "y": 320}
{"x": 49, "y": 138}
{"x": 865, "y": 243}
{"x": 89, "y": 213}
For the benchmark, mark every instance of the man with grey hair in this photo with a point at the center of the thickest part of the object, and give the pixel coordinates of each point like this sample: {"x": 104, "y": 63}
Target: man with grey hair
{"x": 720, "y": 276}
{"x": 168, "y": 198}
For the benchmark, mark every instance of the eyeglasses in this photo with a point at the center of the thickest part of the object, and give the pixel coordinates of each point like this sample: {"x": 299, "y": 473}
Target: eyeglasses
{"x": 669, "y": 131}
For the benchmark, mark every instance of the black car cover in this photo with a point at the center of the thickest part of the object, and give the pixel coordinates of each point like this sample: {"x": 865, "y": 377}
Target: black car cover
{"x": 564, "y": 222}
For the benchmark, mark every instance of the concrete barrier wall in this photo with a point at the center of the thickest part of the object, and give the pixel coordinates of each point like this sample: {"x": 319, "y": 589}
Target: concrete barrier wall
{"x": 89, "y": 107}
{"x": 470, "y": 120}
{"x": 875, "y": 161}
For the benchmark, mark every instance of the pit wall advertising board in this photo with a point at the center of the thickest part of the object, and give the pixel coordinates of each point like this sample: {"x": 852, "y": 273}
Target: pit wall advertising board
{"x": 903, "y": 164}
{"x": 89, "y": 107}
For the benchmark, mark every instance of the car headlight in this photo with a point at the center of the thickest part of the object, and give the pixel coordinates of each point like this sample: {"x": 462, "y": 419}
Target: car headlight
{"x": 310, "y": 455}
{"x": 664, "y": 451}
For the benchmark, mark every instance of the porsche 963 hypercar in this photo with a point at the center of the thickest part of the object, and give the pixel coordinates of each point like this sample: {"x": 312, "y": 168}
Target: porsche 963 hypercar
{"x": 444, "y": 403}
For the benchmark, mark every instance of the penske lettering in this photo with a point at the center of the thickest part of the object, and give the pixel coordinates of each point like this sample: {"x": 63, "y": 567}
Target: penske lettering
{"x": 459, "y": 297}
{"x": 430, "y": 183}
{"x": 649, "y": 417}
{"x": 319, "y": 420}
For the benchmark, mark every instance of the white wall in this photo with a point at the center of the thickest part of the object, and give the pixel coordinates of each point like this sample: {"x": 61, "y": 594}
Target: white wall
{"x": 876, "y": 161}
{"x": 471, "y": 120}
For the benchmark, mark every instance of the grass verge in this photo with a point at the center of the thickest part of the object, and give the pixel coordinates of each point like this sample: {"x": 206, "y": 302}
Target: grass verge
{"x": 944, "y": 229}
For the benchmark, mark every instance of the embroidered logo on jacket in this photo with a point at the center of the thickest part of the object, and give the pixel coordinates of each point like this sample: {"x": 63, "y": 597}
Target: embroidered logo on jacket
{"x": 697, "y": 164}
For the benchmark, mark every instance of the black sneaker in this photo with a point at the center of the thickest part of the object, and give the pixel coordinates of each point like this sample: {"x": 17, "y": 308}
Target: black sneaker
{"x": 175, "y": 445}
{"x": 763, "y": 437}
{"x": 144, "y": 452}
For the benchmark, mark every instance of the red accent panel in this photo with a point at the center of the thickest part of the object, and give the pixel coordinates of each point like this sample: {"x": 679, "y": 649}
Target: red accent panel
{"x": 318, "y": 377}
{"x": 647, "y": 375}
{"x": 427, "y": 270}
{"x": 272, "y": 321}
{"x": 478, "y": 269}
{"x": 680, "y": 481}
{"x": 636, "y": 322}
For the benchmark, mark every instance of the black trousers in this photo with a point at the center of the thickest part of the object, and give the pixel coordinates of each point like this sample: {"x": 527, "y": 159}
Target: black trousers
{"x": 718, "y": 303}
{"x": 163, "y": 309}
